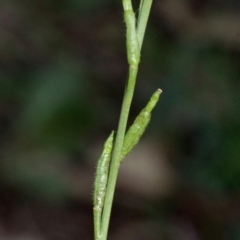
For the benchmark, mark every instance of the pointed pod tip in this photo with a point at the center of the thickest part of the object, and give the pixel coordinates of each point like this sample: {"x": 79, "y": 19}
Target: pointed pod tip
{"x": 153, "y": 100}
{"x": 157, "y": 94}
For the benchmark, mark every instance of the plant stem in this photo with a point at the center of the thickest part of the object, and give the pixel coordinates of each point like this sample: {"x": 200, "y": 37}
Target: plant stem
{"x": 133, "y": 50}
{"x": 144, "y": 11}
{"x": 115, "y": 162}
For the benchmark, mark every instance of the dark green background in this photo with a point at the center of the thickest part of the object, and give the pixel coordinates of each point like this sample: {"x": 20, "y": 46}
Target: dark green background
{"x": 62, "y": 75}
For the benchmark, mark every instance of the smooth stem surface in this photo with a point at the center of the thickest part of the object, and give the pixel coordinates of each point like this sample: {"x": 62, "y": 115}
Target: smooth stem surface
{"x": 144, "y": 11}
{"x": 127, "y": 99}
{"x": 115, "y": 162}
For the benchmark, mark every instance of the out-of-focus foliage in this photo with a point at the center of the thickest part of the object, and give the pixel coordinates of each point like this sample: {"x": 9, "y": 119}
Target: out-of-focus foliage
{"x": 55, "y": 108}
{"x": 62, "y": 74}
{"x": 202, "y": 106}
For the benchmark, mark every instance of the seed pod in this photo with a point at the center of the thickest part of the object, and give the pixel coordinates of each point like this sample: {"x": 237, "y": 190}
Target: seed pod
{"x": 133, "y": 50}
{"x": 139, "y": 125}
{"x": 100, "y": 183}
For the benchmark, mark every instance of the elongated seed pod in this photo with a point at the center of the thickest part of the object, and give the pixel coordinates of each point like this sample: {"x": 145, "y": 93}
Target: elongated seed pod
{"x": 133, "y": 50}
{"x": 100, "y": 183}
{"x": 139, "y": 125}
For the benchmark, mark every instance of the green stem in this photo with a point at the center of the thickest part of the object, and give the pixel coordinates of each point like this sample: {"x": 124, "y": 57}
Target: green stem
{"x": 144, "y": 11}
{"x": 115, "y": 161}
{"x": 133, "y": 59}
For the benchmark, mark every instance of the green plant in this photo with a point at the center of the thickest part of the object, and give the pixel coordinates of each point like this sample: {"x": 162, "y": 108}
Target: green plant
{"x": 109, "y": 161}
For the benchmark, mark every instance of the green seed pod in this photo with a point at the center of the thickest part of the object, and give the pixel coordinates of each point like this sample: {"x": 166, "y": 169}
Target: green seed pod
{"x": 138, "y": 127}
{"x": 133, "y": 50}
{"x": 100, "y": 183}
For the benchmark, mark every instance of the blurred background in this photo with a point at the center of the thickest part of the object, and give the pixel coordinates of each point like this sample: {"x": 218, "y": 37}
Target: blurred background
{"x": 62, "y": 74}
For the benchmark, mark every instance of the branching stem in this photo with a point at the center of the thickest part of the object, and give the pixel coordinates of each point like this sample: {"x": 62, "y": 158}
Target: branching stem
{"x": 134, "y": 35}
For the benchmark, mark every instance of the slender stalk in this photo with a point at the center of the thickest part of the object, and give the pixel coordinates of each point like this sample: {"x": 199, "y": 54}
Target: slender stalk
{"x": 144, "y": 11}
{"x": 134, "y": 41}
{"x": 115, "y": 162}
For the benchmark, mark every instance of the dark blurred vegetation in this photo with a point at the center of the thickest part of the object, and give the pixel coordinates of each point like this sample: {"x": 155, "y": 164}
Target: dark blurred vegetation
{"x": 62, "y": 74}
